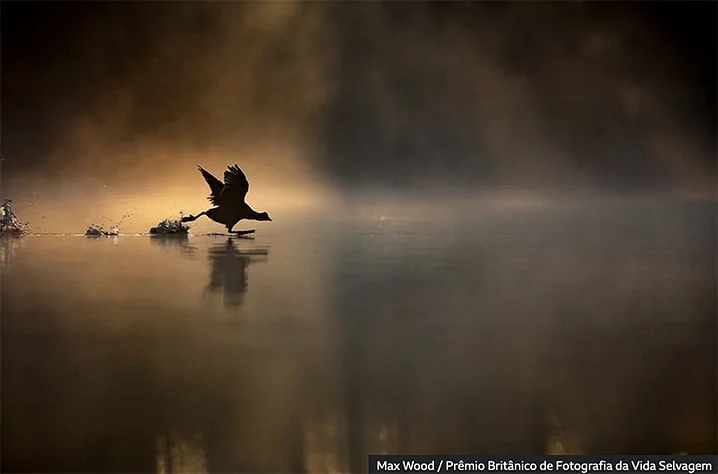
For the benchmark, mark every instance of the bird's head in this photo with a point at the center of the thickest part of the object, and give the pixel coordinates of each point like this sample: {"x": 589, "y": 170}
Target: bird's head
{"x": 263, "y": 216}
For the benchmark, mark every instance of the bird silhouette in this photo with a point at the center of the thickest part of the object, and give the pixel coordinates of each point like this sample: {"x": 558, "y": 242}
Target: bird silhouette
{"x": 229, "y": 200}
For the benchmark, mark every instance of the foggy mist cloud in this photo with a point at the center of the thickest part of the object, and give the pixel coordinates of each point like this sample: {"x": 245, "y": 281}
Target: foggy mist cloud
{"x": 524, "y": 94}
{"x": 306, "y": 94}
{"x": 201, "y": 79}
{"x": 143, "y": 92}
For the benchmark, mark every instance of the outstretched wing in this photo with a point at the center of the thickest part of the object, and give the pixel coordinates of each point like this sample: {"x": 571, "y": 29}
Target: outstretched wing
{"x": 236, "y": 185}
{"x": 215, "y": 185}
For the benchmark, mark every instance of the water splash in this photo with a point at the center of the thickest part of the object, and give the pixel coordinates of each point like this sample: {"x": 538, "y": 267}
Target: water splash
{"x": 99, "y": 231}
{"x": 9, "y": 223}
{"x": 122, "y": 219}
{"x": 95, "y": 230}
{"x": 170, "y": 226}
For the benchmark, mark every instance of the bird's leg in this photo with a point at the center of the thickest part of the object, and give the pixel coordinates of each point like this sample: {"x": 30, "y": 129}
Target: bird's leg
{"x": 239, "y": 232}
{"x": 191, "y": 218}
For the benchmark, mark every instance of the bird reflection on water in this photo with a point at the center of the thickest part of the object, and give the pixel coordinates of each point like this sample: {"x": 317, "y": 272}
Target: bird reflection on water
{"x": 228, "y": 271}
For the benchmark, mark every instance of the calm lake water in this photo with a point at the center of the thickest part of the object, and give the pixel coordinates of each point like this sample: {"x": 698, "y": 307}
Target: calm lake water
{"x": 316, "y": 343}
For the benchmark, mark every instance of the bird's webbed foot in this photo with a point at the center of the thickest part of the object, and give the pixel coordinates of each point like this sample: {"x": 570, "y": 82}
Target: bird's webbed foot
{"x": 241, "y": 232}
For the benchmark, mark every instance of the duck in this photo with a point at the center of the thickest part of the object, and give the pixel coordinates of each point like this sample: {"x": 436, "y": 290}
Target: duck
{"x": 229, "y": 199}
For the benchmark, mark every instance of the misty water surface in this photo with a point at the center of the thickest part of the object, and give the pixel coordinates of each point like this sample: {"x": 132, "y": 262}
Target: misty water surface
{"x": 530, "y": 331}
